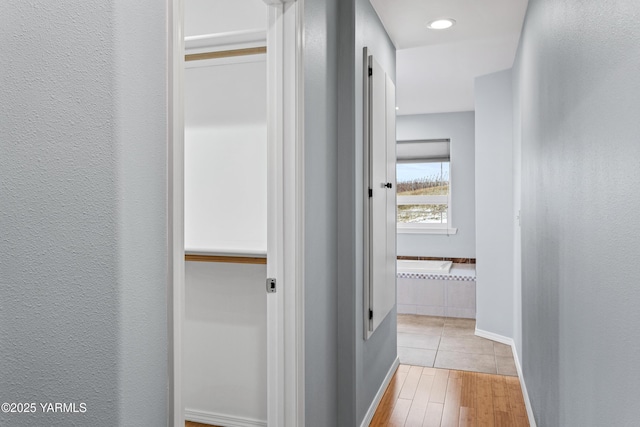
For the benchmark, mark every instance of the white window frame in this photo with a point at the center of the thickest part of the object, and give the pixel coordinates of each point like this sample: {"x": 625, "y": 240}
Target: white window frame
{"x": 432, "y": 228}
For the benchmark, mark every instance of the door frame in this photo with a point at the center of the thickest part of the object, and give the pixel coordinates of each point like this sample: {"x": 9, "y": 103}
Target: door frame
{"x": 285, "y": 229}
{"x": 175, "y": 165}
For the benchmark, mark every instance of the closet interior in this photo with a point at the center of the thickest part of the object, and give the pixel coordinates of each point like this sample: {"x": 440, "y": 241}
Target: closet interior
{"x": 225, "y": 326}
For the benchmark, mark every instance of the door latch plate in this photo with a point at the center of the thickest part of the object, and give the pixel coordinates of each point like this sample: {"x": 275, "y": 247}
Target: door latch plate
{"x": 271, "y": 286}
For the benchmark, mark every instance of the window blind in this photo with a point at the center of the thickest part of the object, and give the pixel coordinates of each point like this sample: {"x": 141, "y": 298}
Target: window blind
{"x": 424, "y": 150}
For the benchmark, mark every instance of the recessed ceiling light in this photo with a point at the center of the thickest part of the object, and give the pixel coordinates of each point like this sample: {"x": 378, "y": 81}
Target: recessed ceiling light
{"x": 397, "y": 108}
{"x": 441, "y": 24}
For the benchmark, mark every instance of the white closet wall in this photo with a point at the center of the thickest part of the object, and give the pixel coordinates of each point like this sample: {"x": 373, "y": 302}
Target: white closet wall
{"x": 225, "y": 366}
{"x": 226, "y": 156}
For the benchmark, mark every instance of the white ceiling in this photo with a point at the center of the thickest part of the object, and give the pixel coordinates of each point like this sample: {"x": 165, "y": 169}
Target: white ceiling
{"x": 436, "y": 69}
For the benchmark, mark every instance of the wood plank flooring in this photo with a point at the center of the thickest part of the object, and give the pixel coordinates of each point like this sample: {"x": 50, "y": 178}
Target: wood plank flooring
{"x": 424, "y": 397}
{"x": 430, "y": 397}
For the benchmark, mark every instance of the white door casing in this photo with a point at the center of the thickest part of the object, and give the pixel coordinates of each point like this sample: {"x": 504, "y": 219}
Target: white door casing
{"x": 285, "y": 244}
{"x": 176, "y": 291}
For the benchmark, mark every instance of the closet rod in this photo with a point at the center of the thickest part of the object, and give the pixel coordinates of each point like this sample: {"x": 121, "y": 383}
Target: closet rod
{"x": 226, "y": 53}
{"x": 226, "y": 259}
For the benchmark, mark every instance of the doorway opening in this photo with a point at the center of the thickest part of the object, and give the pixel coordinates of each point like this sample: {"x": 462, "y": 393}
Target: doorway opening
{"x": 236, "y": 135}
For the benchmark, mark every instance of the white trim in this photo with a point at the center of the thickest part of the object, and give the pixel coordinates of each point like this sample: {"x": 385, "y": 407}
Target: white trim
{"x": 509, "y": 341}
{"x": 422, "y": 200}
{"x": 221, "y": 419}
{"x": 494, "y": 337}
{"x": 366, "y": 210}
{"x": 225, "y": 41}
{"x": 427, "y": 229}
{"x": 294, "y": 212}
{"x": 216, "y": 62}
{"x": 525, "y": 393}
{"x": 176, "y": 204}
{"x": 277, "y": 2}
{"x": 275, "y": 242}
{"x": 228, "y": 252}
{"x": 285, "y": 241}
{"x": 383, "y": 387}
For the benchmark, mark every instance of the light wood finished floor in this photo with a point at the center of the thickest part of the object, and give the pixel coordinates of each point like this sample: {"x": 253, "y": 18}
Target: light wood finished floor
{"x": 420, "y": 396}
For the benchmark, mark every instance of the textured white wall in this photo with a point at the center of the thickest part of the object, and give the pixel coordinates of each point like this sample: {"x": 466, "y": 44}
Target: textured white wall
{"x": 494, "y": 204}
{"x": 83, "y": 252}
{"x": 578, "y": 89}
{"x": 460, "y": 128}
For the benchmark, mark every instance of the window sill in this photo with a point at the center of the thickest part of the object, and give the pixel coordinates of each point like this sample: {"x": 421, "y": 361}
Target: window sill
{"x": 425, "y": 230}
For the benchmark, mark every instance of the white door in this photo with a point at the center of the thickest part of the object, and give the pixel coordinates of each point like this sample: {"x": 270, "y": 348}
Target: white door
{"x": 391, "y": 206}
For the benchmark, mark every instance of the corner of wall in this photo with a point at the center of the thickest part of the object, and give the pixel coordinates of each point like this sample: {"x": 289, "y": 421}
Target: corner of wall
{"x": 494, "y": 203}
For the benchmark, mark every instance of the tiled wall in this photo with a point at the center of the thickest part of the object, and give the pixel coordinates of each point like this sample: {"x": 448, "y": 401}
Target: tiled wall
{"x": 431, "y": 258}
{"x": 437, "y": 297}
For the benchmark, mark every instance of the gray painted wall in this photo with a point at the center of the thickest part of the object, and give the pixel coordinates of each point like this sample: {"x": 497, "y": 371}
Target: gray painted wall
{"x": 371, "y": 358}
{"x": 578, "y": 90}
{"x": 83, "y": 252}
{"x": 343, "y": 372}
{"x": 494, "y": 203}
{"x": 517, "y": 206}
{"x": 460, "y": 128}
{"x": 347, "y": 221}
{"x": 321, "y": 299}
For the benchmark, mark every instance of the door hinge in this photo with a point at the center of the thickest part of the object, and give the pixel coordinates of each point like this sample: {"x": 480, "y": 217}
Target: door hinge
{"x": 370, "y": 71}
{"x": 370, "y": 192}
{"x": 370, "y": 314}
{"x": 271, "y": 286}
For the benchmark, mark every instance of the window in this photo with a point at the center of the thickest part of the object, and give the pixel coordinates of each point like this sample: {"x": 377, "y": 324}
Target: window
{"x": 423, "y": 187}
{"x": 423, "y": 193}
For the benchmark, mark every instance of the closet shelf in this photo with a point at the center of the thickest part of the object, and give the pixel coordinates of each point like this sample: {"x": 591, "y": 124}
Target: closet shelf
{"x": 236, "y": 257}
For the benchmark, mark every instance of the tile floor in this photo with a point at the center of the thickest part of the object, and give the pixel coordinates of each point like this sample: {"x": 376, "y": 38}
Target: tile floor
{"x": 450, "y": 343}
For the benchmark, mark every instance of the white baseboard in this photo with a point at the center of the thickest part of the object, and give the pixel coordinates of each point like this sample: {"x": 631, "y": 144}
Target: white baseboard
{"x": 509, "y": 341}
{"x": 494, "y": 337}
{"x": 221, "y": 419}
{"x": 383, "y": 387}
{"x": 525, "y": 393}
